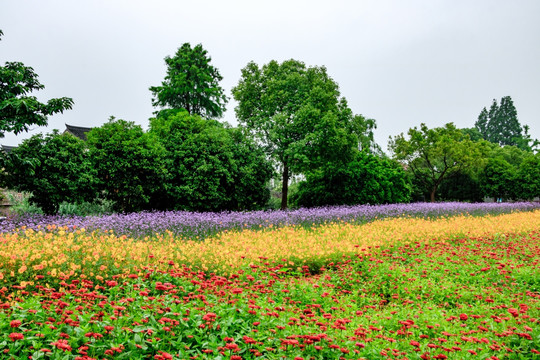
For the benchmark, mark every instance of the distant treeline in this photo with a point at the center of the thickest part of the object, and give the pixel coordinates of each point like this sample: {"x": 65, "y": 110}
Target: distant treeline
{"x": 298, "y": 143}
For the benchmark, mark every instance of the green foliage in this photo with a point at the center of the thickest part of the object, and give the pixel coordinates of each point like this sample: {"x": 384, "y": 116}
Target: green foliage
{"x": 19, "y": 110}
{"x": 95, "y": 208}
{"x": 191, "y": 83}
{"x": 432, "y": 155}
{"x": 500, "y": 125}
{"x": 20, "y": 203}
{"x": 211, "y": 167}
{"x": 368, "y": 179}
{"x": 511, "y": 173}
{"x": 128, "y": 162}
{"x": 498, "y": 179}
{"x": 528, "y": 178}
{"x": 461, "y": 187}
{"x": 472, "y": 133}
{"x": 298, "y": 116}
{"x": 53, "y": 168}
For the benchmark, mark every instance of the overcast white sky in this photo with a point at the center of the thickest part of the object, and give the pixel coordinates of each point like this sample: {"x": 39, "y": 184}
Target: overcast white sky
{"x": 399, "y": 62}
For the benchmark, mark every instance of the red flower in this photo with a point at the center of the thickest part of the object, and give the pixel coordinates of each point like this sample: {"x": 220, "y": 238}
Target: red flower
{"x": 15, "y": 323}
{"x": 514, "y": 312}
{"x": 415, "y": 343}
{"x": 463, "y": 317}
{"x": 209, "y": 317}
{"x": 441, "y": 357}
{"x": 62, "y": 344}
{"x": 16, "y": 336}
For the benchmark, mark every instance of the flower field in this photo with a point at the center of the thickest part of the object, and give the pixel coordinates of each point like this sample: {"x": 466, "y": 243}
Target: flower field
{"x": 405, "y": 287}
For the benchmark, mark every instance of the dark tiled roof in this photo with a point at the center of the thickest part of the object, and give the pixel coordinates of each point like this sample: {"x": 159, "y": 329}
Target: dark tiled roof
{"x": 7, "y": 148}
{"x": 78, "y": 131}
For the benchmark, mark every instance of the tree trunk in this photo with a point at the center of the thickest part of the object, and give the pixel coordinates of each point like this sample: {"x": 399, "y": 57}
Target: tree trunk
{"x": 433, "y": 191}
{"x": 285, "y": 187}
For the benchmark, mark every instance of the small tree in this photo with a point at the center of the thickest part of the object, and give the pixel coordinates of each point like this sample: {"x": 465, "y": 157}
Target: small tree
{"x": 53, "y": 168}
{"x": 128, "y": 162}
{"x": 19, "y": 110}
{"x": 191, "y": 83}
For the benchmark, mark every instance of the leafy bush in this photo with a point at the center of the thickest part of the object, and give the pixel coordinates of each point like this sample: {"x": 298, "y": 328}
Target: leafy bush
{"x": 368, "y": 179}
{"x": 98, "y": 207}
{"x": 52, "y": 168}
{"x": 20, "y": 203}
{"x": 210, "y": 166}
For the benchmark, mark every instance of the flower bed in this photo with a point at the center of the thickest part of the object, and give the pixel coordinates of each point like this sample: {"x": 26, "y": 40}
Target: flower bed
{"x": 202, "y": 225}
{"x": 452, "y": 288}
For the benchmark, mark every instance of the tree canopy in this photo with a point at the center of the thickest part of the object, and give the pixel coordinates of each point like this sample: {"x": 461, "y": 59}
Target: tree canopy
{"x": 500, "y": 125}
{"x": 210, "y": 166}
{"x": 53, "y": 168}
{"x": 297, "y": 114}
{"x": 18, "y": 109}
{"x": 435, "y": 154}
{"x": 191, "y": 83}
{"x": 128, "y": 162}
{"x": 367, "y": 179}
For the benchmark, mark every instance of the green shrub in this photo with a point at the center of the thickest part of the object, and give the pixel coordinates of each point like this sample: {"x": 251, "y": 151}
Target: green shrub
{"x": 20, "y": 203}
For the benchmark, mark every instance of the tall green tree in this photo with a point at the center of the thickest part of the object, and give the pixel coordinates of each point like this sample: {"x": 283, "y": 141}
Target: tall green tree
{"x": 211, "y": 166}
{"x": 433, "y": 155}
{"x": 53, "y": 168}
{"x": 500, "y": 125}
{"x": 297, "y": 114}
{"x": 18, "y": 109}
{"x": 128, "y": 162}
{"x": 191, "y": 83}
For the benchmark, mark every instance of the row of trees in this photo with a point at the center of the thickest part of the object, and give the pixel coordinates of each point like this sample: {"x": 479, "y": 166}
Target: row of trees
{"x": 293, "y": 121}
{"x": 182, "y": 162}
{"x": 446, "y": 163}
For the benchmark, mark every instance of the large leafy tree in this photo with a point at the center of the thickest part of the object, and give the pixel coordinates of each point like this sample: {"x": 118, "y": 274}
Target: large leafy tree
{"x": 53, "y": 168}
{"x": 191, "y": 83}
{"x": 18, "y": 109}
{"x": 128, "y": 162}
{"x": 211, "y": 167}
{"x": 433, "y": 155}
{"x": 297, "y": 114}
{"x": 500, "y": 125}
